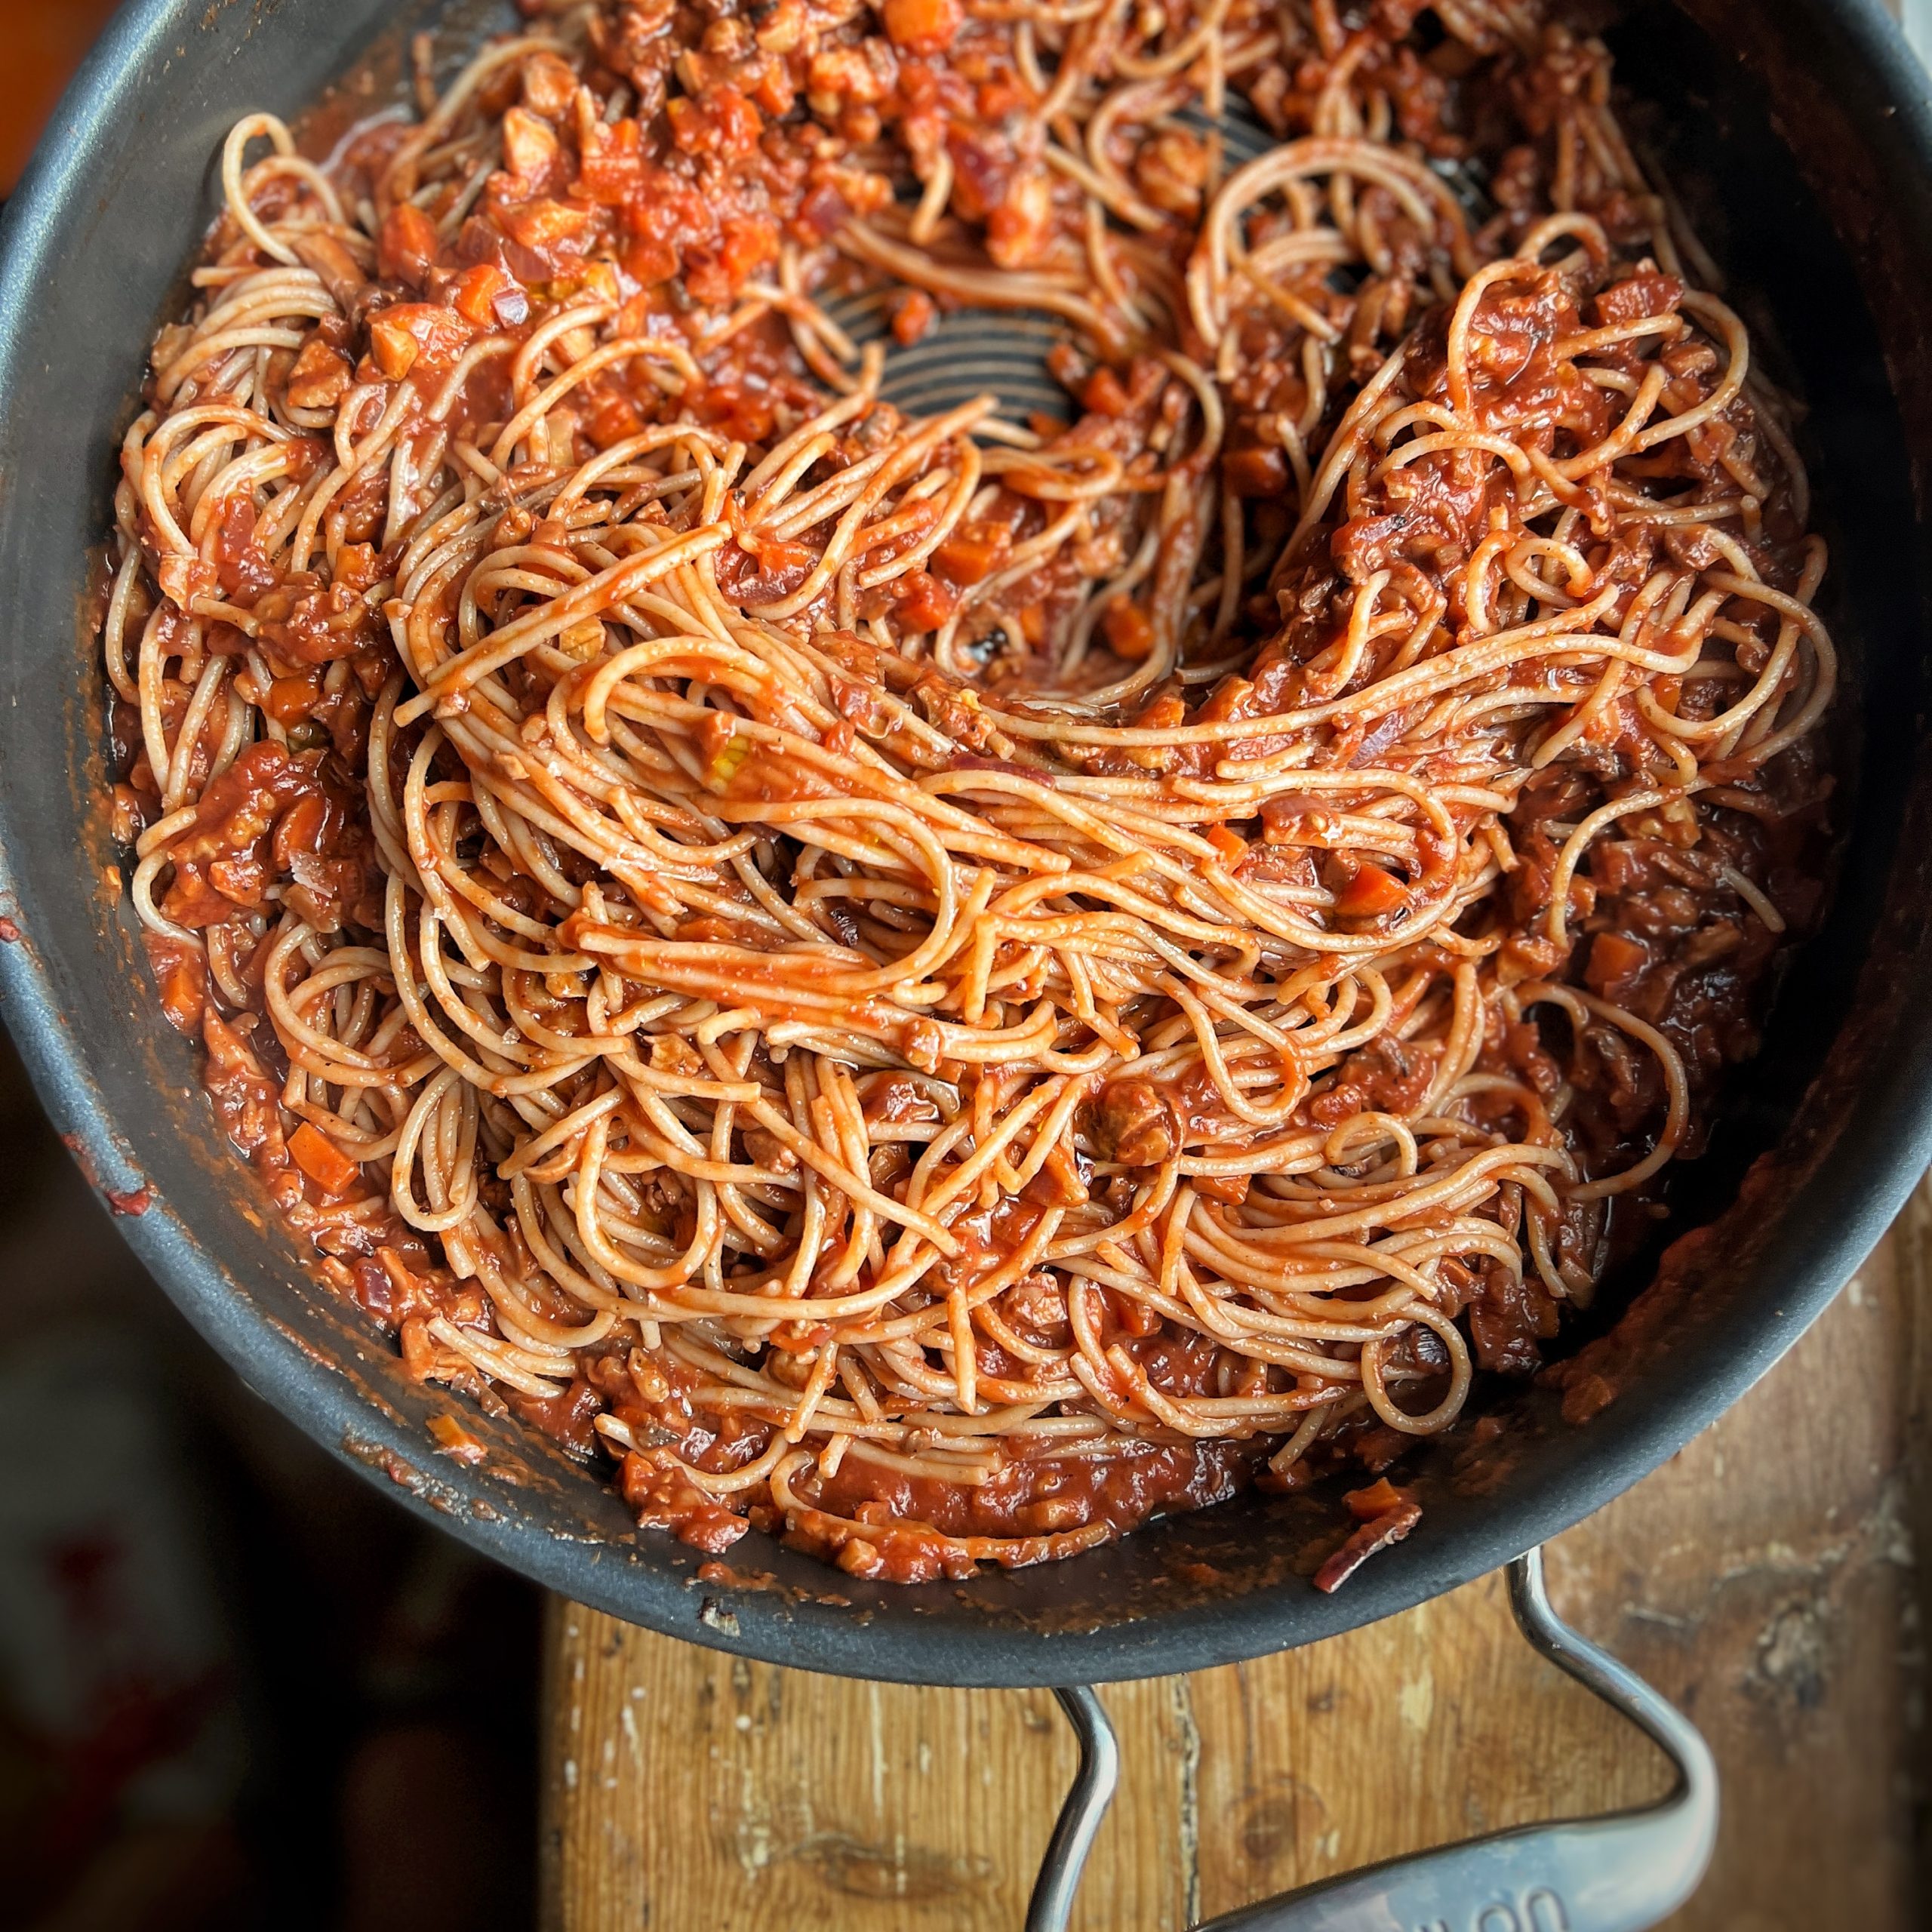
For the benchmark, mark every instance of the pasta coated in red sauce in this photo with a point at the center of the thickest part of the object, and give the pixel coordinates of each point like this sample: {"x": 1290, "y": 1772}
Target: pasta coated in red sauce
{"x": 941, "y": 987}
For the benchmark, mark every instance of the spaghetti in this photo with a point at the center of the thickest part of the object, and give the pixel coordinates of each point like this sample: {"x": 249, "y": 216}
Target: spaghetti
{"x": 942, "y": 986}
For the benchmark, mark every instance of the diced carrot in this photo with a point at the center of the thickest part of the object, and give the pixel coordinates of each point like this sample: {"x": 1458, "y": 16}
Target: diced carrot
{"x": 611, "y": 163}
{"x": 925, "y": 601}
{"x": 407, "y": 245}
{"x": 455, "y": 1441}
{"x": 1230, "y": 845}
{"x": 1033, "y": 623}
{"x": 1129, "y": 631}
{"x": 775, "y": 92}
{"x": 997, "y": 99}
{"x": 321, "y": 1160}
{"x": 1254, "y": 472}
{"x": 1105, "y": 394}
{"x": 973, "y": 552}
{"x": 1370, "y": 893}
{"x": 1375, "y": 1533}
{"x": 922, "y": 26}
{"x": 614, "y": 416}
{"x": 1377, "y": 1499}
{"x": 1230, "y": 1188}
{"x": 180, "y": 971}
{"x": 290, "y": 699}
{"x": 476, "y": 293}
{"x": 912, "y": 314}
{"x": 1615, "y": 960}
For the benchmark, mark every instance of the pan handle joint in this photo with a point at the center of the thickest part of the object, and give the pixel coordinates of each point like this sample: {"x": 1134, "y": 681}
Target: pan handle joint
{"x": 1622, "y": 1873}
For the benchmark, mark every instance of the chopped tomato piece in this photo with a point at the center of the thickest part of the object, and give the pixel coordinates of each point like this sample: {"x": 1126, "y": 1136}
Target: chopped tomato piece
{"x": 746, "y": 244}
{"x": 775, "y": 92}
{"x": 406, "y": 246}
{"x": 319, "y": 1158}
{"x": 1637, "y": 298}
{"x": 303, "y": 829}
{"x": 822, "y": 210}
{"x": 650, "y": 262}
{"x": 613, "y": 417}
{"x": 1370, "y": 893}
{"x": 1018, "y": 227}
{"x": 999, "y": 98}
{"x": 1255, "y": 472}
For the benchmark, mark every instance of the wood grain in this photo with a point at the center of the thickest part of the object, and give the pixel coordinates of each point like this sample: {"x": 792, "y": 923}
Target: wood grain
{"x": 1764, "y": 1580}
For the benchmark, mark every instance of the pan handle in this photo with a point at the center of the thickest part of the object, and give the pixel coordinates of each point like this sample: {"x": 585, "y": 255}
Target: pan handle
{"x": 1618, "y": 1874}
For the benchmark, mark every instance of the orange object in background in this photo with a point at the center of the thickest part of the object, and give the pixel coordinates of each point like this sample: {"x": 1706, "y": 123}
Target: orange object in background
{"x": 45, "y": 41}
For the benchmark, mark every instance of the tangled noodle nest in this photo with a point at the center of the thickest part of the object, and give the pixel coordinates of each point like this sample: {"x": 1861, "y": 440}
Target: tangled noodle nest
{"x": 945, "y": 982}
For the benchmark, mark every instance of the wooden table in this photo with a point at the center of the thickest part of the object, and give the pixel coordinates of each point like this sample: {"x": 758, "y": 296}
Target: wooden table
{"x": 1763, "y": 1579}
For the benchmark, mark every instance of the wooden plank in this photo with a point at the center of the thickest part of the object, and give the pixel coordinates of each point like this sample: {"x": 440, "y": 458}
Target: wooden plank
{"x": 1763, "y": 1579}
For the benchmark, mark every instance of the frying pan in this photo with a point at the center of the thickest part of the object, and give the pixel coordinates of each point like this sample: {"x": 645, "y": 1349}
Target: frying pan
{"x": 1799, "y": 134}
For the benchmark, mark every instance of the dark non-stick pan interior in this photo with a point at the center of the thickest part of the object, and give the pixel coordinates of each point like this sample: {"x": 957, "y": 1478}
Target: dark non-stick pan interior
{"x": 1829, "y": 1129}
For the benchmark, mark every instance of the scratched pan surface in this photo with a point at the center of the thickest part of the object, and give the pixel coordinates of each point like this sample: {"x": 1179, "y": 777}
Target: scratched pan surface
{"x": 1831, "y": 1126}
